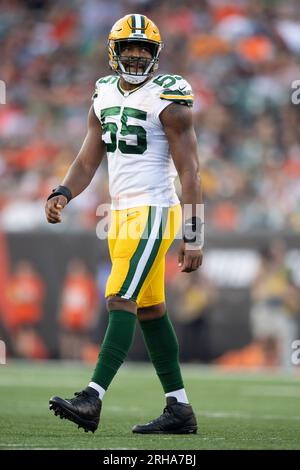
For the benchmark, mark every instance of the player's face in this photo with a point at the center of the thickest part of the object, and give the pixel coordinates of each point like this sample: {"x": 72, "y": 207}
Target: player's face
{"x": 139, "y": 55}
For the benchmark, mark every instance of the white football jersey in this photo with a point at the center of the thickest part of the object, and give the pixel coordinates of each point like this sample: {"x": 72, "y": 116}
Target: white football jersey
{"x": 141, "y": 170}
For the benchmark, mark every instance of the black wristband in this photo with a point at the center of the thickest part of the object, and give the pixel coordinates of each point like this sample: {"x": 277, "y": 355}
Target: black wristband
{"x": 193, "y": 233}
{"x": 61, "y": 191}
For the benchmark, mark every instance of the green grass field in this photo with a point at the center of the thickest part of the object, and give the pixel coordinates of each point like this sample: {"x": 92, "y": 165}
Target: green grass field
{"x": 235, "y": 411}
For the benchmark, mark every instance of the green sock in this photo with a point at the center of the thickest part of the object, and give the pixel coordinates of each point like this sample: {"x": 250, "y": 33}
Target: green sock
{"x": 115, "y": 346}
{"x": 162, "y": 345}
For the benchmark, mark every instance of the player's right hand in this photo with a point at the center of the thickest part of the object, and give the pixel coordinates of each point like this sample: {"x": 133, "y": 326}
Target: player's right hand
{"x": 54, "y": 207}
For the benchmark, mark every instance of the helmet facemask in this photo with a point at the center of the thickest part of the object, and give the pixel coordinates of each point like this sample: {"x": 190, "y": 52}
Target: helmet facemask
{"x": 133, "y": 69}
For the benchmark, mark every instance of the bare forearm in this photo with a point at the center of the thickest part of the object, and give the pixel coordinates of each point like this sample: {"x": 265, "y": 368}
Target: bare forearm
{"x": 191, "y": 189}
{"x": 88, "y": 159}
{"x": 79, "y": 176}
{"x": 80, "y": 172}
{"x": 177, "y": 121}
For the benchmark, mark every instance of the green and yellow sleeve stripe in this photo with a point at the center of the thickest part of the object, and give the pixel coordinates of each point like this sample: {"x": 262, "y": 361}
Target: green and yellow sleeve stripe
{"x": 178, "y": 96}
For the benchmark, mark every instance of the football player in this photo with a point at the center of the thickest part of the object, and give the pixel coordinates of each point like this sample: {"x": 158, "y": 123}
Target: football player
{"x": 143, "y": 123}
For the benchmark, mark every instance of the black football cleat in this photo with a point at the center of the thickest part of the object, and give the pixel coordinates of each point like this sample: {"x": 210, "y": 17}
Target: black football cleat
{"x": 83, "y": 410}
{"x": 177, "y": 418}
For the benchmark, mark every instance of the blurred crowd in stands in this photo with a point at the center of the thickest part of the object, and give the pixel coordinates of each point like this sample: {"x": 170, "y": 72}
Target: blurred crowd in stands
{"x": 241, "y": 58}
{"x": 259, "y": 330}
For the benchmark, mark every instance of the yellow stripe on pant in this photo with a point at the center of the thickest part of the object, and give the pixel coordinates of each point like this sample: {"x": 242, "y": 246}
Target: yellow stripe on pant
{"x": 138, "y": 241}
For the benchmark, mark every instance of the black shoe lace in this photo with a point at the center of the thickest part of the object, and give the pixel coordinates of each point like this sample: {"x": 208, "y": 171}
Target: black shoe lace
{"x": 83, "y": 393}
{"x": 166, "y": 411}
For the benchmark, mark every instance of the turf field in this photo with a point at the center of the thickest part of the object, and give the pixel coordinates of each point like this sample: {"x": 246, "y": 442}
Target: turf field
{"x": 235, "y": 411}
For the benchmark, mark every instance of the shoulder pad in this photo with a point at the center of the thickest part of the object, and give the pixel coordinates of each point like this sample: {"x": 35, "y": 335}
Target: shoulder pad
{"x": 175, "y": 88}
{"x": 109, "y": 79}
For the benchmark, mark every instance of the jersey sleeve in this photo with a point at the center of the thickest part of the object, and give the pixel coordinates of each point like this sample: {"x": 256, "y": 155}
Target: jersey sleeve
{"x": 101, "y": 83}
{"x": 96, "y": 91}
{"x": 177, "y": 90}
{"x": 94, "y": 95}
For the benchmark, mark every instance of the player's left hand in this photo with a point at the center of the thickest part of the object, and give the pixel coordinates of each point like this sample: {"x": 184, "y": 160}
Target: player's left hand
{"x": 189, "y": 260}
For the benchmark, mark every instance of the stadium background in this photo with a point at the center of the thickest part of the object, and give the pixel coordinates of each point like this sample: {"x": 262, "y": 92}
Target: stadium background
{"x": 241, "y": 58}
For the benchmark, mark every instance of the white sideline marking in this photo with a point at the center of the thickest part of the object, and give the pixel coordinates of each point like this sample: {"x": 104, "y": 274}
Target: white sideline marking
{"x": 46, "y": 381}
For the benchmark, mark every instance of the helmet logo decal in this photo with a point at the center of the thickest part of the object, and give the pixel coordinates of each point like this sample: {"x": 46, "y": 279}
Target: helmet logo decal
{"x": 138, "y": 22}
